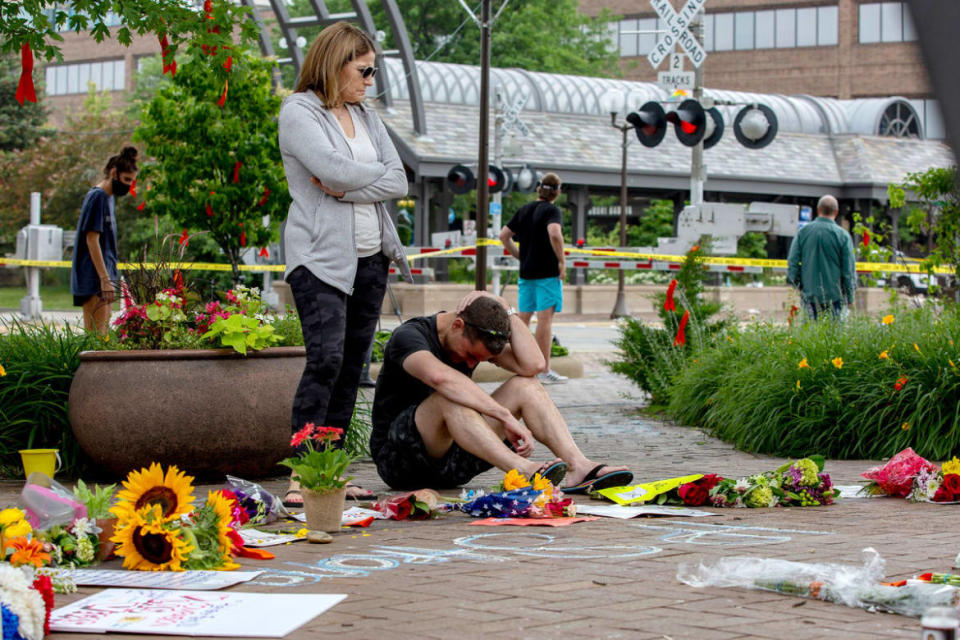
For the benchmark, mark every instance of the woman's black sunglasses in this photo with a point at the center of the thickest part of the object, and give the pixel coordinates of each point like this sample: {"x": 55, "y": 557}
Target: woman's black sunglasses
{"x": 368, "y": 72}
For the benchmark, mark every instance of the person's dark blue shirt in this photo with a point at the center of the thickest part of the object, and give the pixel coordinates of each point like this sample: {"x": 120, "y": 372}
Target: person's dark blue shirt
{"x": 97, "y": 215}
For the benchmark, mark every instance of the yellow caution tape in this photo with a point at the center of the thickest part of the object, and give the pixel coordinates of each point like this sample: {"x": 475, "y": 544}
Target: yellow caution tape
{"x": 488, "y": 242}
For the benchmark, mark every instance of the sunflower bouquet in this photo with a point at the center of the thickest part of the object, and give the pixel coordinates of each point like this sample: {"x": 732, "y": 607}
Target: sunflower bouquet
{"x": 159, "y": 529}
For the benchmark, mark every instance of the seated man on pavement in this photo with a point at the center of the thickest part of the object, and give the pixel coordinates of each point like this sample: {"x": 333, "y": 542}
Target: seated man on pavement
{"x": 434, "y": 427}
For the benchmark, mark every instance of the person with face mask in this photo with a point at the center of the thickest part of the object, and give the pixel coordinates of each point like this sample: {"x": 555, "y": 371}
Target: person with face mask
{"x": 94, "y": 272}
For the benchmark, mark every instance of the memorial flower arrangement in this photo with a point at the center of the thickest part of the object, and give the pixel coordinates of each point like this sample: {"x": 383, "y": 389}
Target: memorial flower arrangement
{"x": 74, "y": 545}
{"x": 319, "y": 470}
{"x": 26, "y": 600}
{"x": 159, "y": 529}
{"x": 799, "y": 483}
{"x": 177, "y": 318}
{"x": 908, "y": 475}
{"x": 518, "y": 497}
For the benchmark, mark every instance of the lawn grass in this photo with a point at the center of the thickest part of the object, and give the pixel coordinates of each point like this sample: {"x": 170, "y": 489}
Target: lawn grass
{"x": 54, "y": 297}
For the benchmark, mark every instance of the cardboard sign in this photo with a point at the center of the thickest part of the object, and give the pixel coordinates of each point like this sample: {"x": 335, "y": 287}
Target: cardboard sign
{"x": 647, "y": 491}
{"x": 191, "y": 613}
{"x": 625, "y": 513}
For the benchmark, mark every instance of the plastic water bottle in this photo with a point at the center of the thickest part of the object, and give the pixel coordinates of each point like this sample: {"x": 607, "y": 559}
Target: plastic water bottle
{"x": 939, "y": 623}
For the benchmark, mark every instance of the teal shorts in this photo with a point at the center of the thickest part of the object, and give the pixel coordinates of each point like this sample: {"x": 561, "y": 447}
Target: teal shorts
{"x": 540, "y": 294}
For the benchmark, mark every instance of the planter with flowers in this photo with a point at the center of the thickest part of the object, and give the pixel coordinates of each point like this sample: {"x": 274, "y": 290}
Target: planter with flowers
{"x": 169, "y": 395}
{"x": 320, "y": 474}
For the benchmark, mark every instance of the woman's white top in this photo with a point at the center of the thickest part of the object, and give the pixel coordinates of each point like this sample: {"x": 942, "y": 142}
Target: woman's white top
{"x": 366, "y": 222}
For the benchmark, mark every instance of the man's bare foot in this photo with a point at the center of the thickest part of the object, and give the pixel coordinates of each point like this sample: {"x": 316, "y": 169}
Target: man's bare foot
{"x": 355, "y": 492}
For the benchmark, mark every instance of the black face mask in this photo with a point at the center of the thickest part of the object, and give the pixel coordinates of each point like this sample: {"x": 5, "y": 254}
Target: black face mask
{"x": 119, "y": 188}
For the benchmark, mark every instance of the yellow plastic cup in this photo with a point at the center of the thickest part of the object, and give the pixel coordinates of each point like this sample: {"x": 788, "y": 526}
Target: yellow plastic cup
{"x": 45, "y": 461}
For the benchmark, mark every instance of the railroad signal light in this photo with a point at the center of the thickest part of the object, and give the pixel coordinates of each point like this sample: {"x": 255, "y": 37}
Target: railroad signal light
{"x": 649, "y": 123}
{"x": 461, "y": 180}
{"x": 714, "y": 129}
{"x": 755, "y": 126}
{"x": 689, "y": 121}
{"x": 497, "y": 179}
{"x": 526, "y": 179}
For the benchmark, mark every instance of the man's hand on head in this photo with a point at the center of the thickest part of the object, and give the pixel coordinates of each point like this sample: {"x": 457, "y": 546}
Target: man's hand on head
{"x": 468, "y": 299}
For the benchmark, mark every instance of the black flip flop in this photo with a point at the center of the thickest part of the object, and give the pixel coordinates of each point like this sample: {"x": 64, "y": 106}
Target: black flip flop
{"x": 591, "y": 482}
{"x": 555, "y": 473}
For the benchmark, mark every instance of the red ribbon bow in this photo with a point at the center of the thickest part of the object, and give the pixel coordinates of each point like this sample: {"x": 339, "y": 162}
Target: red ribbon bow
{"x": 681, "y": 338}
{"x": 264, "y": 253}
{"x": 25, "y": 90}
{"x": 236, "y": 171}
{"x": 263, "y": 200}
{"x": 866, "y": 238}
{"x": 668, "y": 304}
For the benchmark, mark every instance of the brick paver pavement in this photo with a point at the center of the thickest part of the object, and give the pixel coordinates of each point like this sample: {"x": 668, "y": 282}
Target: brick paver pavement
{"x": 607, "y": 578}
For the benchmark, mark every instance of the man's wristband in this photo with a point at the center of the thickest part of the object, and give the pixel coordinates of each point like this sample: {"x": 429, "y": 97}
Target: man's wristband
{"x": 511, "y": 311}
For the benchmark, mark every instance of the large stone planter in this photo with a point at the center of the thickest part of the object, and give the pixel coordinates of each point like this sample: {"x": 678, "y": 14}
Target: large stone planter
{"x": 209, "y": 411}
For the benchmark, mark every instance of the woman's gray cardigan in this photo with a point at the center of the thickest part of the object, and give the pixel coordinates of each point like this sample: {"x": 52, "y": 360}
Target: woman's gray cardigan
{"x": 319, "y": 233}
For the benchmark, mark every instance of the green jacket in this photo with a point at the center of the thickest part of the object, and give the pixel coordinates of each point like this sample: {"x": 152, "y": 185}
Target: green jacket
{"x": 821, "y": 263}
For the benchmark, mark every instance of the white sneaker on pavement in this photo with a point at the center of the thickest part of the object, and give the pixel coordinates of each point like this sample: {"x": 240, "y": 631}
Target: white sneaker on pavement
{"x": 551, "y": 377}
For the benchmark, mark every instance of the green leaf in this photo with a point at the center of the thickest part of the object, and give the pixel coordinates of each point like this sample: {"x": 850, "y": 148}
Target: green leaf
{"x": 818, "y": 460}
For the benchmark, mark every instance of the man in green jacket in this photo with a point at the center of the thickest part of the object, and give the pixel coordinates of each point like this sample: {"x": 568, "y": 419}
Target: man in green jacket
{"x": 821, "y": 262}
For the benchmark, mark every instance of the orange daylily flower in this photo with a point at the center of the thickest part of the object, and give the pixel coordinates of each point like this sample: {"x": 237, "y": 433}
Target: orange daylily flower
{"x": 905, "y": 426}
{"x": 887, "y": 319}
{"x": 884, "y": 355}
{"x": 803, "y": 364}
{"x": 28, "y": 552}
{"x": 838, "y": 362}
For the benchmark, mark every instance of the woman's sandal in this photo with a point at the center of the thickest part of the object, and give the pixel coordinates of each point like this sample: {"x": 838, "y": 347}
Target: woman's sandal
{"x": 555, "y": 472}
{"x": 593, "y": 482}
{"x": 293, "y": 504}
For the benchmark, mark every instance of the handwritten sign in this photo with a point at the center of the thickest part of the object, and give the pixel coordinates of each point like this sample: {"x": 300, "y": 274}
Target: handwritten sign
{"x": 191, "y": 613}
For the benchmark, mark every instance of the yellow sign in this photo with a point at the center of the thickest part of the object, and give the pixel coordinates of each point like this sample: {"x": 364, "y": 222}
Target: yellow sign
{"x": 647, "y": 491}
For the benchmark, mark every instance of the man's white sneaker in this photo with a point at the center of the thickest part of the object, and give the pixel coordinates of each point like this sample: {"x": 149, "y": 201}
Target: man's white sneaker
{"x": 551, "y": 377}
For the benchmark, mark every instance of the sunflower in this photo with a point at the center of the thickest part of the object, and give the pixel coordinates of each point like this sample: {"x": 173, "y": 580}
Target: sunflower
{"x": 222, "y": 507}
{"x": 27, "y": 552}
{"x": 172, "y": 492}
{"x": 147, "y": 543}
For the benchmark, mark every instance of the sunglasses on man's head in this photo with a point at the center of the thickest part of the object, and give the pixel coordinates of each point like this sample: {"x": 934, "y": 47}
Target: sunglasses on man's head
{"x": 496, "y": 333}
{"x": 368, "y": 72}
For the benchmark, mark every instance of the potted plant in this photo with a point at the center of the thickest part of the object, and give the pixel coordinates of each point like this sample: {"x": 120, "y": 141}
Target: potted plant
{"x": 320, "y": 474}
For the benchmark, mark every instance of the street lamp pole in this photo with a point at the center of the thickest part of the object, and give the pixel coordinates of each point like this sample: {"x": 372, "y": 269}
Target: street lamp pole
{"x": 620, "y": 307}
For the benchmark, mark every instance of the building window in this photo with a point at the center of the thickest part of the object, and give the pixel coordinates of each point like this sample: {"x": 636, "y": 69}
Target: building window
{"x": 66, "y": 79}
{"x": 885, "y": 22}
{"x": 769, "y": 29}
{"x": 899, "y": 120}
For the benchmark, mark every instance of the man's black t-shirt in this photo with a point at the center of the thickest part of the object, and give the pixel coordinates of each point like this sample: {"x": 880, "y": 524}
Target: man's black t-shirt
{"x": 96, "y": 214}
{"x": 529, "y": 226}
{"x": 397, "y": 389}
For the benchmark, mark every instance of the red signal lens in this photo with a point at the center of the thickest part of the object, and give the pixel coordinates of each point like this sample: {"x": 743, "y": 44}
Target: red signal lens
{"x": 688, "y": 127}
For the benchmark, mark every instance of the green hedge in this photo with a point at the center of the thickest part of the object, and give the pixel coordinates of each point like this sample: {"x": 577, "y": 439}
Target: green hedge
{"x": 749, "y": 387}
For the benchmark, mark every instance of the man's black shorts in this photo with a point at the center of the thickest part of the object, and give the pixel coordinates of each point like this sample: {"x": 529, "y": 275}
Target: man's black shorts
{"x": 403, "y": 462}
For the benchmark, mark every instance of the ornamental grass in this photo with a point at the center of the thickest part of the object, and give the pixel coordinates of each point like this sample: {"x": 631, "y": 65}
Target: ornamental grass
{"x": 864, "y": 388}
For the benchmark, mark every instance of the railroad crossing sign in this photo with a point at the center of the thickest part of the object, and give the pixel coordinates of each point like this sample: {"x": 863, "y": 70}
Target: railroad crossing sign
{"x": 511, "y": 116}
{"x": 677, "y": 33}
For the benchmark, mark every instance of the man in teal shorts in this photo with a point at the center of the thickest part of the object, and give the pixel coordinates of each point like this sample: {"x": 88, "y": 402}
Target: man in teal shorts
{"x": 537, "y": 226}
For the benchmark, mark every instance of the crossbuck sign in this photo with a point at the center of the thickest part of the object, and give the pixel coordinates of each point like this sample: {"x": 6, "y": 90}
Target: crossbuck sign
{"x": 677, "y": 33}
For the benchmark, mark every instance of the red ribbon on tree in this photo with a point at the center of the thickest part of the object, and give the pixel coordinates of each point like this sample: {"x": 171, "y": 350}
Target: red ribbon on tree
{"x": 141, "y": 206}
{"x": 236, "y": 171}
{"x": 866, "y": 238}
{"x": 133, "y": 188}
{"x": 228, "y": 63}
{"x": 264, "y": 253}
{"x": 243, "y": 235}
{"x": 209, "y": 211}
{"x": 25, "y": 90}
{"x": 184, "y": 238}
{"x": 681, "y": 338}
{"x": 170, "y": 66}
{"x": 263, "y": 200}
{"x": 668, "y": 304}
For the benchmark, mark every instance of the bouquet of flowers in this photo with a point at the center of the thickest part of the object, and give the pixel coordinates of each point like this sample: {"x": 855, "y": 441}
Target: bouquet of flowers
{"x": 412, "y": 505}
{"x": 691, "y": 494}
{"x": 158, "y": 528}
{"x": 261, "y": 506}
{"x": 74, "y": 545}
{"x": 896, "y": 477}
{"x": 937, "y": 485}
{"x": 26, "y": 600}
{"x": 519, "y": 497}
{"x": 799, "y": 483}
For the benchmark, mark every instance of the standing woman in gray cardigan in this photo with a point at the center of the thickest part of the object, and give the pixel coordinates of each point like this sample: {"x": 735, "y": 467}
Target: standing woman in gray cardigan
{"x": 339, "y": 240}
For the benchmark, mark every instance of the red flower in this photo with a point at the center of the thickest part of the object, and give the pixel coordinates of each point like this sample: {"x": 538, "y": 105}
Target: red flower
{"x": 327, "y": 434}
{"x": 668, "y": 304}
{"x": 709, "y": 481}
{"x": 866, "y": 238}
{"x": 681, "y": 337}
{"x": 43, "y": 585}
{"x": 952, "y": 482}
{"x": 693, "y": 494}
{"x": 695, "y": 247}
{"x": 184, "y": 238}
{"x": 902, "y": 380}
{"x": 943, "y": 494}
{"x": 302, "y": 435}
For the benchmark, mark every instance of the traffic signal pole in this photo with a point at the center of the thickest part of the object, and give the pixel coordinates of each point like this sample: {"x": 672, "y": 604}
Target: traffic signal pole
{"x": 698, "y": 172}
{"x": 483, "y": 155}
{"x": 498, "y": 196}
